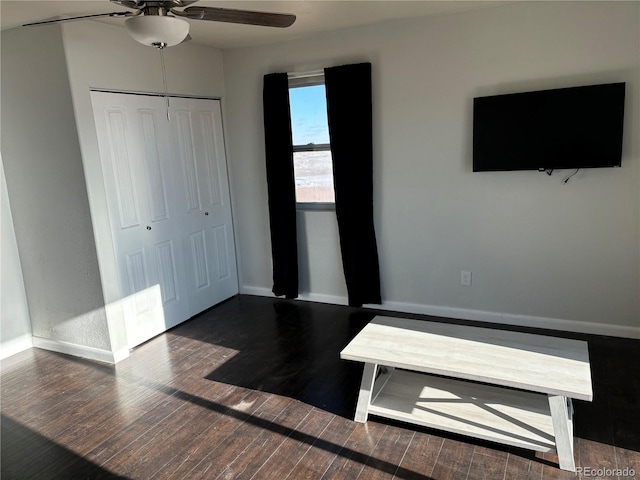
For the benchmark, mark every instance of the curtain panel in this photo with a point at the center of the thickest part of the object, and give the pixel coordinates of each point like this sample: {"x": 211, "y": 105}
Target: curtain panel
{"x": 349, "y": 109}
{"x": 280, "y": 184}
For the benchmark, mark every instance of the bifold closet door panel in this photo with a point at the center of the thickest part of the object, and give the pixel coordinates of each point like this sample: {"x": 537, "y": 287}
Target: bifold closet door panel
{"x": 210, "y": 258}
{"x": 168, "y": 205}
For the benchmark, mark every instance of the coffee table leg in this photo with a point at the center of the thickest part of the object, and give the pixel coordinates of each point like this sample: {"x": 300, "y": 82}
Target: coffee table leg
{"x": 366, "y": 387}
{"x": 561, "y": 415}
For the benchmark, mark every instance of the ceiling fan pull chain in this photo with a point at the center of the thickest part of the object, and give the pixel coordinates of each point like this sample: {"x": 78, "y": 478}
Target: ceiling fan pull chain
{"x": 164, "y": 80}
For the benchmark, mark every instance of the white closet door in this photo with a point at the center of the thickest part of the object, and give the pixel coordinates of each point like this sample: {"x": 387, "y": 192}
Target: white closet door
{"x": 130, "y": 142}
{"x": 210, "y": 259}
{"x": 169, "y": 207}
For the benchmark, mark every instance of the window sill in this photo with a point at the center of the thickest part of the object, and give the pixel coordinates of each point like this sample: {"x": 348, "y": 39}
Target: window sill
{"x": 316, "y": 207}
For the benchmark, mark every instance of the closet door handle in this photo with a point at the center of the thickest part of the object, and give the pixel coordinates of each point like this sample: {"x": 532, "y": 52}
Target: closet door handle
{"x": 148, "y": 227}
{"x": 206, "y": 213}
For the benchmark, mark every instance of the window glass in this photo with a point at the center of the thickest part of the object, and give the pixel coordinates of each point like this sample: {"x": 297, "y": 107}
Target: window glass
{"x": 312, "y": 165}
{"x": 314, "y": 177}
{"x": 309, "y": 115}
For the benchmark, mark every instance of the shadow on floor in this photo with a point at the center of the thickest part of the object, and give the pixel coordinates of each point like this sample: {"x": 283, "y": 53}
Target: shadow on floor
{"x": 294, "y": 350}
{"x": 28, "y": 455}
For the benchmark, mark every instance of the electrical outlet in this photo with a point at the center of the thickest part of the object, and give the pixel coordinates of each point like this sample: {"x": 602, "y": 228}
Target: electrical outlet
{"x": 465, "y": 278}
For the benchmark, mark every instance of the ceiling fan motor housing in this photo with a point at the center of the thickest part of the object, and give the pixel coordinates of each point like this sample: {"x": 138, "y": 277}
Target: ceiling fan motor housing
{"x": 157, "y": 30}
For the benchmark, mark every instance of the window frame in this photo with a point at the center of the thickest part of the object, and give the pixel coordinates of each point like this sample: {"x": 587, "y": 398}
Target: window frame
{"x": 310, "y": 79}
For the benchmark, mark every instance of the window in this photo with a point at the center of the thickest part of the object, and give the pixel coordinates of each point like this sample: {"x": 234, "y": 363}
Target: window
{"x": 312, "y": 165}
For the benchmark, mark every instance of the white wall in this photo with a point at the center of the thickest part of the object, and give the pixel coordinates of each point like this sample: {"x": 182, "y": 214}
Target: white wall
{"x": 15, "y": 325}
{"x": 46, "y": 187}
{"x": 53, "y": 168}
{"x": 541, "y": 252}
{"x": 105, "y": 57}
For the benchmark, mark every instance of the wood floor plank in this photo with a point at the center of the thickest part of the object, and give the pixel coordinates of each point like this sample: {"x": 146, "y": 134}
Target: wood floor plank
{"x": 121, "y": 441}
{"x": 266, "y": 424}
{"x": 421, "y": 457}
{"x": 551, "y": 470}
{"x": 295, "y": 446}
{"x": 29, "y": 455}
{"x": 487, "y": 467}
{"x": 622, "y": 417}
{"x": 220, "y": 445}
{"x": 255, "y": 388}
{"x": 591, "y": 453}
{"x": 388, "y": 454}
{"x": 264, "y": 447}
{"x": 224, "y": 451}
{"x": 491, "y": 450}
{"x": 106, "y": 423}
{"x": 126, "y": 457}
{"x": 89, "y": 401}
{"x": 56, "y": 389}
{"x": 171, "y": 441}
{"x": 315, "y": 462}
{"x": 454, "y": 460}
{"x": 356, "y": 452}
{"x": 215, "y": 417}
{"x": 628, "y": 460}
{"x": 522, "y": 468}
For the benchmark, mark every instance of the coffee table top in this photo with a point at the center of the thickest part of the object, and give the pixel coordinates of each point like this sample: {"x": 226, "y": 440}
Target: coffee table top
{"x": 538, "y": 363}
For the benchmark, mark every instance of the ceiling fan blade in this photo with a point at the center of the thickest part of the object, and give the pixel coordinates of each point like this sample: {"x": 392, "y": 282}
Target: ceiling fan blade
{"x": 128, "y": 3}
{"x": 247, "y": 17}
{"x": 82, "y": 17}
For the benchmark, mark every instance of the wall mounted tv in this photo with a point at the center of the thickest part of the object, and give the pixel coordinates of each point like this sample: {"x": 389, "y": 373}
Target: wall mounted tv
{"x": 578, "y": 127}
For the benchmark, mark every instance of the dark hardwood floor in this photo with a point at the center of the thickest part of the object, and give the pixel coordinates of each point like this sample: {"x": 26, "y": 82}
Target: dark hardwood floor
{"x": 255, "y": 388}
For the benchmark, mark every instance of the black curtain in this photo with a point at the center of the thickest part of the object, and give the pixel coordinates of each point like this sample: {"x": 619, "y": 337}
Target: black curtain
{"x": 280, "y": 184}
{"x": 349, "y": 109}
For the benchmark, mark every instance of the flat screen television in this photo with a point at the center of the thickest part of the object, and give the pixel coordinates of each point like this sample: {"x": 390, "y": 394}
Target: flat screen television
{"x": 566, "y": 128}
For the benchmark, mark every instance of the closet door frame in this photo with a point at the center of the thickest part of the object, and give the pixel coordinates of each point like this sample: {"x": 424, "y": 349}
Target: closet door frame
{"x": 149, "y": 262}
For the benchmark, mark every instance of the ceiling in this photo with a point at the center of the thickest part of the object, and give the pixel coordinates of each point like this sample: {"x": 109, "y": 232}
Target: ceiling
{"x": 313, "y": 17}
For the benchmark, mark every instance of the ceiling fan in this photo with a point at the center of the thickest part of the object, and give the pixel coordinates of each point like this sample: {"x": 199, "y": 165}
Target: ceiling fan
{"x": 158, "y": 23}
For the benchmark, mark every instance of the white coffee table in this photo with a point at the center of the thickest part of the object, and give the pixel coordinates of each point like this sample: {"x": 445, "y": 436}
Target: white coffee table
{"x": 507, "y": 387}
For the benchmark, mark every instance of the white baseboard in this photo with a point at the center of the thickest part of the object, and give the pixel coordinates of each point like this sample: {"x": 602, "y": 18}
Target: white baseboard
{"x": 475, "y": 315}
{"x": 15, "y": 345}
{"x": 309, "y": 297}
{"x": 514, "y": 319}
{"x": 82, "y": 351}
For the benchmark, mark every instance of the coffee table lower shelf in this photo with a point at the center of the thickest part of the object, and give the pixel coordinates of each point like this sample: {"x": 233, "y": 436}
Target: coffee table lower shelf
{"x": 512, "y": 417}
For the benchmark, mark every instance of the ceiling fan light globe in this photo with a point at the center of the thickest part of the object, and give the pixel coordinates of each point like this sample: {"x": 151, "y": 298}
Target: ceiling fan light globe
{"x": 153, "y": 30}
